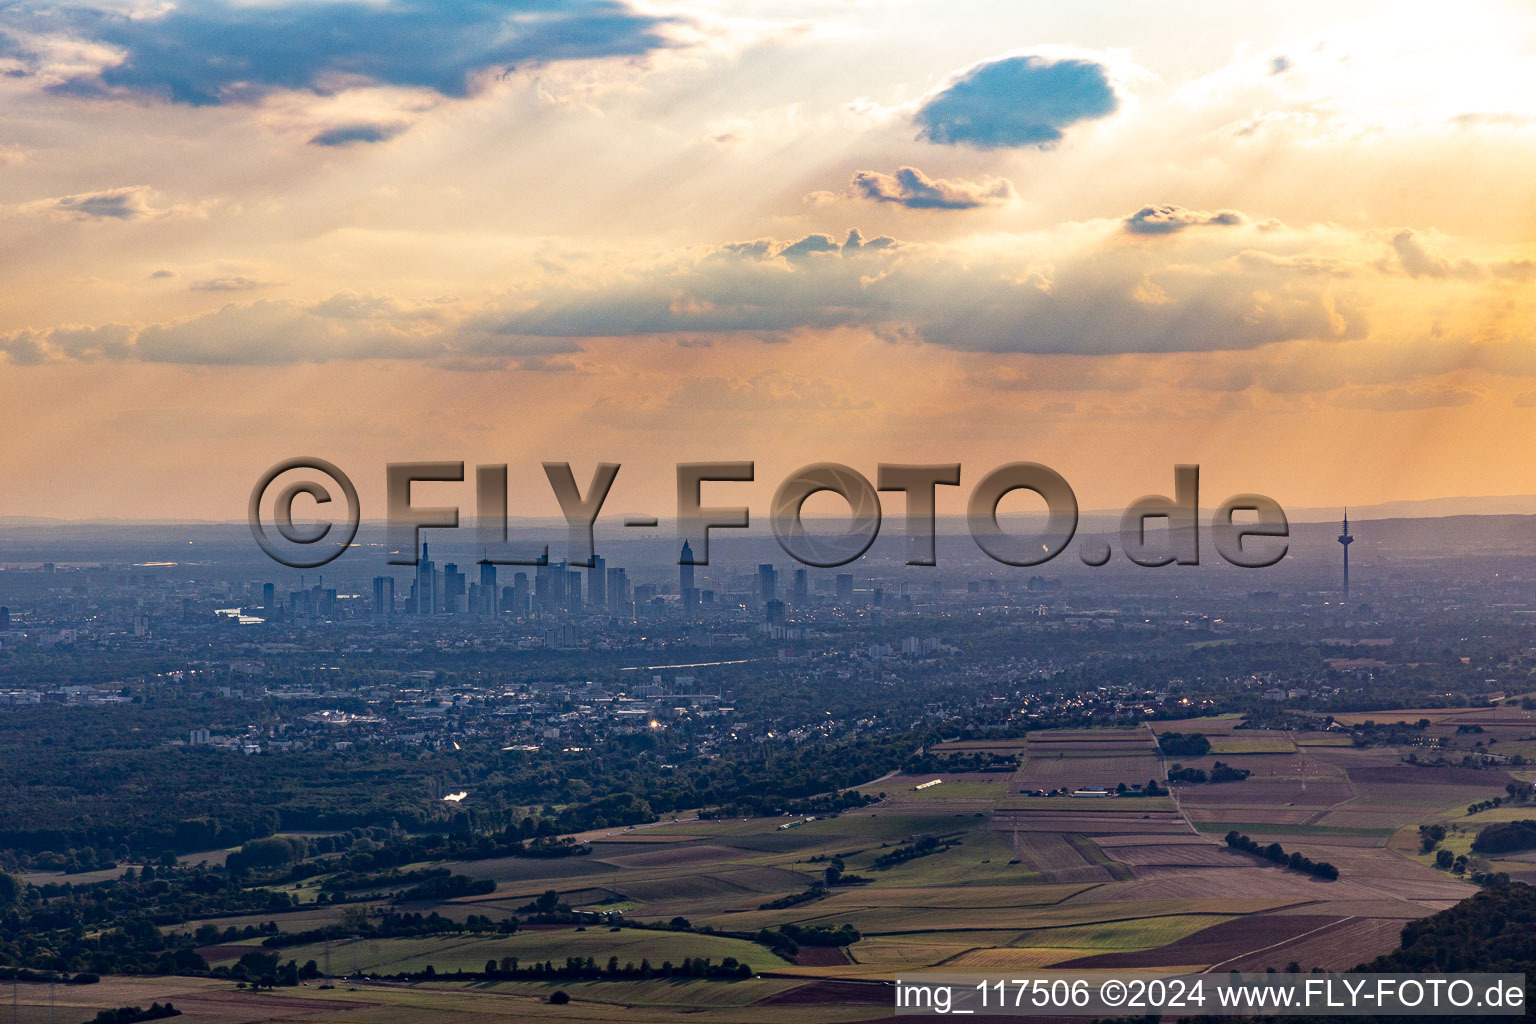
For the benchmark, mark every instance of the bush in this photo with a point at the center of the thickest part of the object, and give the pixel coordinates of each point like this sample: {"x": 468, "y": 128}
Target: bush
{"x": 559, "y": 998}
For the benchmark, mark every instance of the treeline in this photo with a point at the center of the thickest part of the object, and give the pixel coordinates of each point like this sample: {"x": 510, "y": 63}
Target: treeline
{"x": 134, "y": 1014}
{"x": 588, "y": 969}
{"x": 1178, "y": 744}
{"x": 1275, "y": 854}
{"x": 1494, "y": 931}
{"x": 924, "y": 847}
{"x": 1506, "y": 837}
{"x": 392, "y": 925}
{"x": 1220, "y": 772}
{"x": 929, "y": 763}
{"x": 296, "y": 856}
{"x": 772, "y": 805}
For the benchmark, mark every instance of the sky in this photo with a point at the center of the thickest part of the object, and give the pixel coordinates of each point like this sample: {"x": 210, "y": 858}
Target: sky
{"x": 1293, "y": 243}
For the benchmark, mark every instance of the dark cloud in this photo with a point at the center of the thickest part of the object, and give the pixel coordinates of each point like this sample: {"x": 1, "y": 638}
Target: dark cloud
{"x": 350, "y": 134}
{"x": 220, "y": 51}
{"x": 160, "y": 275}
{"x": 110, "y": 204}
{"x": 805, "y": 248}
{"x": 1017, "y": 101}
{"x": 1166, "y": 219}
{"x": 1280, "y": 65}
{"x": 913, "y": 189}
{"x": 809, "y": 246}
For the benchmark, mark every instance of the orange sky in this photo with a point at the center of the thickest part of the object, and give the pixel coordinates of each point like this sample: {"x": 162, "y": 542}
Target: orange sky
{"x": 1294, "y": 246}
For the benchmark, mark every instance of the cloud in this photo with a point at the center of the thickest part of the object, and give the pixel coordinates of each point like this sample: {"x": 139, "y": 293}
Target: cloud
{"x": 160, "y": 275}
{"x": 227, "y": 284}
{"x": 346, "y": 326}
{"x": 1412, "y": 255}
{"x": 1166, "y": 219}
{"x": 350, "y": 134}
{"x": 913, "y": 189}
{"x": 1280, "y": 65}
{"x": 1016, "y": 101}
{"x": 1404, "y": 399}
{"x": 1416, "y": 258}
{"x": 1092, "y": 298}
{"x": 809, "y": 246}
{"x": 1296, "y": 310}
{"x": 804, "y": 248}
{"x": 221, "y": 51}
{"x": 109, "y": 204}
{"x": 1492, "y": 120}
{"x": 273, "y": 332}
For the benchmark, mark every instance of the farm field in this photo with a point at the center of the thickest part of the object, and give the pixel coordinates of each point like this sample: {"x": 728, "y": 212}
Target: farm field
{"x": 768, "y": 1000}
{"x": 1252, "y": 744}
{"x": 1005, "y": 880}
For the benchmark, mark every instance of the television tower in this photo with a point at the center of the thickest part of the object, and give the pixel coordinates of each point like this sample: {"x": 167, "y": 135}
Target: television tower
{"x": 1346, "y": 540}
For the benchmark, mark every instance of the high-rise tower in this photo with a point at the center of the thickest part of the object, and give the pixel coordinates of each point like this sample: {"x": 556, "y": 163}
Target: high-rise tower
{"x": 685, "y": 569}
{"x": 1346, "y": 540}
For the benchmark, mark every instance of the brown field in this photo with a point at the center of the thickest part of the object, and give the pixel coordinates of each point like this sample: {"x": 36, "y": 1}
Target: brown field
{"x": 1270, "y": 814}
{"x": 1353, "y": 816}
{"x": 1102, "y": 883}
{"x": 700, "y": 854}
{"x": 1409, "y": 715}
{"x": 1061, "y": 858}
{"x": 838, "y": 993}
{"x": 1184, "y": 838}
{"x": 1333, "y": 842}
{"x": 1212, "y": 946}
{"x": 821, "y": 956}
{"x": 1185, "y": 855}
{"x": 1055, "y": 772}
{"x": 521, "y": 869}
{"x": 1259, "y": 792}
{"x": 1102, "y": 823}
{"x": 1257, "y": 879}
{"x": 1335, "y": 948}
{"x": 656, "y": 838}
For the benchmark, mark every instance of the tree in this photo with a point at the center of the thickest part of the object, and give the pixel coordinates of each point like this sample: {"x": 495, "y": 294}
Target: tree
{"x": 559, "y": 998}
{"x": 12, "y": 890}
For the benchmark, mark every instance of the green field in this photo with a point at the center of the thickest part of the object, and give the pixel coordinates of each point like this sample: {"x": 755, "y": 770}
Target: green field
{"x": 1146, "y": 933}
{"x": 1317, "y": 740}
{"x": 1234, "y": 744}
{"x": 946, "y": 791}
